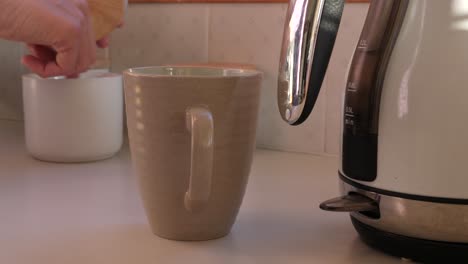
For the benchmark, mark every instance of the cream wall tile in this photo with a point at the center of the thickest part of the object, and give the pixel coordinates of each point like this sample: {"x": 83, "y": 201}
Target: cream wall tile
{"x": 252, "y": 33}
{"x": 10, "y": 86}
{"x": 156, "y": 34}
{"x": 348, "y": 35}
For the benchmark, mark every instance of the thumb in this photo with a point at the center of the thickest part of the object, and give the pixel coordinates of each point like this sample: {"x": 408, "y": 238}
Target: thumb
{"x": 67, "y": 61}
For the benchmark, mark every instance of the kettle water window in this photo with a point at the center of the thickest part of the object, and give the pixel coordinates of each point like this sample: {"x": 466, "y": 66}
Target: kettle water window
{"x": 364, "y": 87}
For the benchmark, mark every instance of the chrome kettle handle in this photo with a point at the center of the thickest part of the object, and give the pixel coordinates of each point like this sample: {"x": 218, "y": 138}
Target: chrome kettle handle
{"x": 309, "y": 36}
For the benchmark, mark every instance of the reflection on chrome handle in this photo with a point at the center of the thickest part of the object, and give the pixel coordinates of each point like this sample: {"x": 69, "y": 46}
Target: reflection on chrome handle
{"x": 308, "y": 40}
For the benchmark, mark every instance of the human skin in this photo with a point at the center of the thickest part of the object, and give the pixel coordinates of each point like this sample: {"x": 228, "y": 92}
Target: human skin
{"x": 58, "y": 34}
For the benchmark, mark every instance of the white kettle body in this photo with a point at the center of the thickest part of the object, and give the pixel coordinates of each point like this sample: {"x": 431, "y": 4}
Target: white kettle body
{"x": 404, "y": 144}
{"x": 422, "y": 132}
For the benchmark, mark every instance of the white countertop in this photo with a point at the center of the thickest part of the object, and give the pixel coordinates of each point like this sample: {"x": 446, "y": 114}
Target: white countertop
{"x": 91, "y": 213}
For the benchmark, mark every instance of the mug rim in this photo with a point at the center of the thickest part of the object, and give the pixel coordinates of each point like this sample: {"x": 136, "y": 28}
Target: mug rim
{"x": 94, "y": 74}
{"x": 237, "y": 72}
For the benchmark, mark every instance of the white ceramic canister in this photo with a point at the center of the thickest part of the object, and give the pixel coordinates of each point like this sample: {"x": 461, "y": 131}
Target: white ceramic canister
{"x": 73, "y": 120}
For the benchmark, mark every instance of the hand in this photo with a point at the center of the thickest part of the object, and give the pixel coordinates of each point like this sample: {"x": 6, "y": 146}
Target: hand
{"x": 104, "y": 42}
{"x": 60, "y": 33}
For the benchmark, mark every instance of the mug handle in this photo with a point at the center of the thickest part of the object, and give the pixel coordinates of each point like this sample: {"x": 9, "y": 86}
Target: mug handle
{"x": 199, "y": 121}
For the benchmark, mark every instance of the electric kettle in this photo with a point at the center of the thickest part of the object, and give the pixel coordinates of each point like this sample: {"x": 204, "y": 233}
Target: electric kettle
{"x": 404, "y": 128}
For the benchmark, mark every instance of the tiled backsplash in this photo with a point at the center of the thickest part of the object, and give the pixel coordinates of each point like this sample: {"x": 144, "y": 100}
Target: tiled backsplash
{"x": 156, "y": 34}
{"x": 253, "y": 34}
{"x": 10, "y": 76}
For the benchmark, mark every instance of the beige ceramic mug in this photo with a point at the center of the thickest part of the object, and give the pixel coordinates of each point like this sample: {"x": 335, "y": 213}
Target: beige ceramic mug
{"x": 192, "y": 136}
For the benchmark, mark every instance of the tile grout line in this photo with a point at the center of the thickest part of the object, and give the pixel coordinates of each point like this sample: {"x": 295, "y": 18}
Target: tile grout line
{"x": 208, "y": 32}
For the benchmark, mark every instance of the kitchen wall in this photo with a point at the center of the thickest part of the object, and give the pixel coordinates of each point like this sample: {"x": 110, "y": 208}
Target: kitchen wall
{"x": 239, "y": 33}
{"x": 10, "y": 84}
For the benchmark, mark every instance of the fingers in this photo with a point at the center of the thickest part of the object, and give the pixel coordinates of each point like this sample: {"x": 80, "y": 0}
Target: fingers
{"x": 87, "y": 51}
{"x": 42, "y": 68}
{"x": 68, "y": 61}
{"x": 72, "y": 47}
{"x": 77, "y": 52}
{"x": 103, "y": 43}
{"x": 42, "y": 52}
{"x": 46, "y": 62}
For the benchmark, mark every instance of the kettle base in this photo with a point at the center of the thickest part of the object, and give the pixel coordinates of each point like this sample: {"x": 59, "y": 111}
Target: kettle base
{"x": 415, "y": 249}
